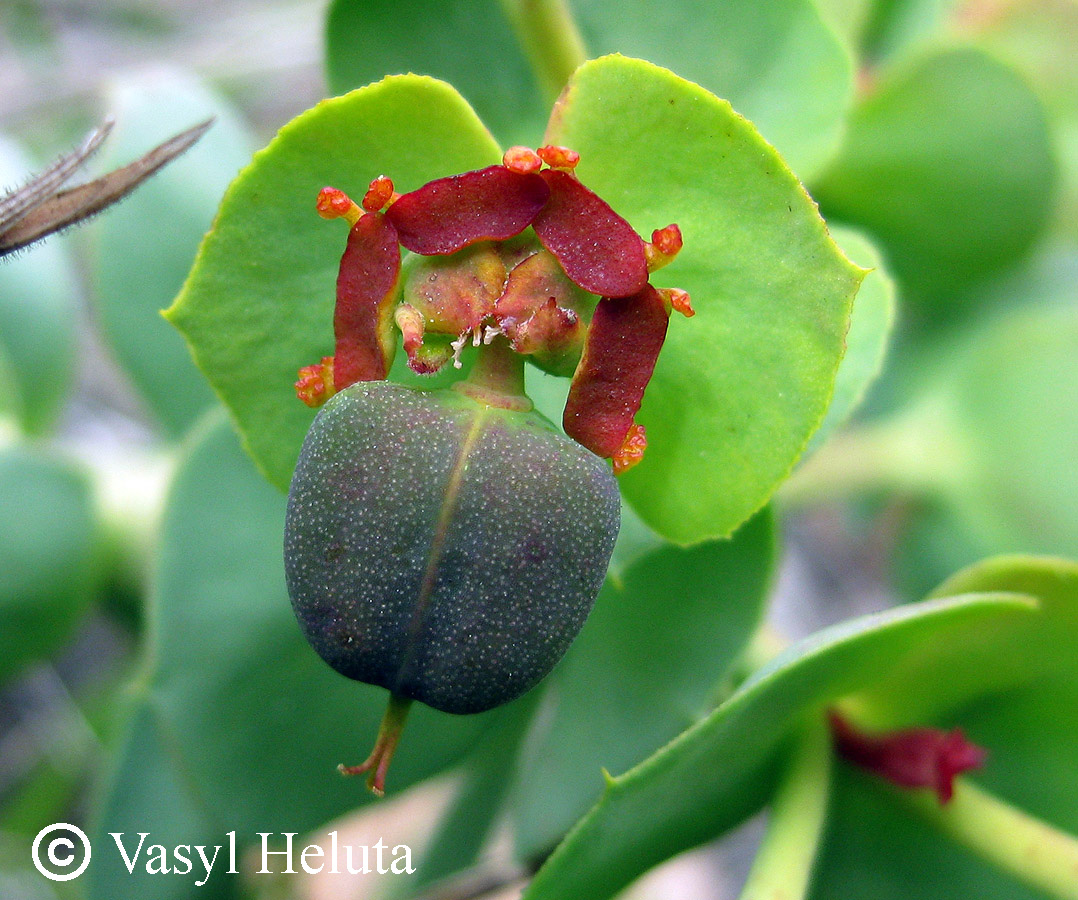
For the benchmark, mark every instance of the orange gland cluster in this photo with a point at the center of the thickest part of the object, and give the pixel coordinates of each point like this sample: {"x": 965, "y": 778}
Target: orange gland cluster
{"x": 573, "y": 294}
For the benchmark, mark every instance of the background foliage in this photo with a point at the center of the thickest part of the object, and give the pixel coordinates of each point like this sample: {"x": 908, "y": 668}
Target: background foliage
{"x": 152, "y": 677}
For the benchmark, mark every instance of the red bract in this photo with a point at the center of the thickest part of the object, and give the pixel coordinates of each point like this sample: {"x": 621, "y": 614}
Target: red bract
{"x": 912, "y": 758}
{"x": 446, "y": 215}
{"x": 597, "y": 248}
{"x": 619, "y": 357}
{"x": 366, "y": 288}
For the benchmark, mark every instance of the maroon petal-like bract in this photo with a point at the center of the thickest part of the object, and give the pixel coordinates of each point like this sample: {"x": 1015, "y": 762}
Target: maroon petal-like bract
{"x": 912, "y": 758}
{"x": 448, "y": 214}
{"x": 597, "y": 248}
{"x": 620, "y": 351}
{"x": 366, "y": 284}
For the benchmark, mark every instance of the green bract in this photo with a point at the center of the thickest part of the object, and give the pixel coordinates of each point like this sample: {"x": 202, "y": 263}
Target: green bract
{"x": 739, "y": 389}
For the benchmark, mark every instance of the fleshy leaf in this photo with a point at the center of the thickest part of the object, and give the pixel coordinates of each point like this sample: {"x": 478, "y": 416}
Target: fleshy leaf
{"x": 38, "y": 316}
{"x": 867, "y": 339}
{"x": 144, "y": 247}
{"x": 1014, "y": 690}
{"x": 598, "y": 249}
{"x": 777, "y": 63}
{"x": 259, "y": 302}
{"x": 720, "y": 771}
{"x": 229, "y": 683}
{"x": 740, "y": 387}
{"x": 666, "y": 629}
{"x": 365, "y": 39}
{"x": 449, "y": 214}
{"x": 49, "y": 544}
{"x": 948, "y": 164}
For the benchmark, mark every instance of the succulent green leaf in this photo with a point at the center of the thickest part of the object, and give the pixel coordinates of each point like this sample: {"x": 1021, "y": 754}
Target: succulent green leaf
{"x": 777, "y": 63}
{"x": 867, "y": 339}
{"x": 144, "y": 247}
{"x": 1041, "y": 36}
{"x": 722, "y": 769}
{"x": 49, "y": 554}
{"x": 740, "y": 387}
{"x": 148, "y": 790}
{"x": 233, "y": 691}
{"x": 1009, "y": 405}
{"x": 665, "y": 630}
{"x": 948, "y": 164}
{"x": 367, "y": 39}
{"x": 1014, "y": 691}
{"x": 258, "y": 303}
{"x": 39, "y": 309}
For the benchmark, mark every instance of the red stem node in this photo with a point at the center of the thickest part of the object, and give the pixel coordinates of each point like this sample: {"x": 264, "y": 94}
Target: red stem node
{"x": 911, "y": 758}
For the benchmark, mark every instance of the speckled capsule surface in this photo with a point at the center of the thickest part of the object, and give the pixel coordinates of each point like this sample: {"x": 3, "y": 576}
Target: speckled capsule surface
{"x": 445, "y": 550}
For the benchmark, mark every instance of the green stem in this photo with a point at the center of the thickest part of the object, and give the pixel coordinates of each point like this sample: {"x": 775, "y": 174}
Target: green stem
{"x": 782, "y": 869}
{"x": 385, "y": 745}
{"x": 497, "y": 378}
{"x": 1033, "y": 851}
{"x": 550, "y": 39}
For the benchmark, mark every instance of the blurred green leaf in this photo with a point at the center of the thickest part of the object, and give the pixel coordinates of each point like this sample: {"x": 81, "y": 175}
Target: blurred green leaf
{"x": 948, "y": 164}
{"x": 462, "y": 43}
{"x": 721, "y": 770}
{"x": 468, "y": 823}
{"x": 740, "y": 387}
{"x": 39, "y": 311}
{"x": 1041, "y": 35}
{"x": 145, "y": 246}
{"x": 866, "y": 341}
{"x": 48, "y": 554}
{"x": 259, "y": 302}
{"x": 876, "y": 849}
{"x": 777, "y": 63}
{"x": 666, "y": 629}
{"x": 253, "y": 722}
{"x": 893, "y": 26}
{"x": 1013, "y": 689}
{"x": 1011, "y": 390}
{"x": 150, "y": 790}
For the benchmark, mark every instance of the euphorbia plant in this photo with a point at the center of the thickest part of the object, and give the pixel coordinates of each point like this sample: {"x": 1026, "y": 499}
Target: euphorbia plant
{"x": 734, "y": 397}
{"x": 521, "y": 259}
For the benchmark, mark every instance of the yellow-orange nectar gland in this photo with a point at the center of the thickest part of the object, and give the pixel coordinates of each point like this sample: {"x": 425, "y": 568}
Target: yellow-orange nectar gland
{"x": 315, "y": 384}
{"x": 379, "y": 194}
{"x": 558, "y": 157}
{"x": 631, "y": 450}
{"x": 523, "y": 160}
{"x": 665, "y": 244}
{"x": 333, "y": 203}
{"x": 679, "y": 301}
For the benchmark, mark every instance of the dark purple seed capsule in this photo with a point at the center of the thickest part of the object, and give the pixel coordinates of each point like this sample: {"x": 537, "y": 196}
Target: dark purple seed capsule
{"x": 447, "y": 551}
